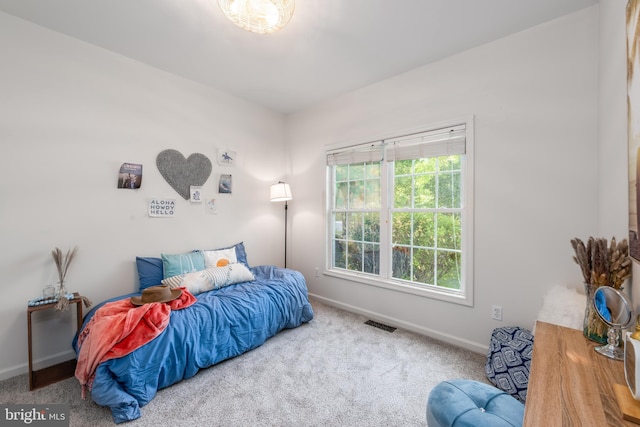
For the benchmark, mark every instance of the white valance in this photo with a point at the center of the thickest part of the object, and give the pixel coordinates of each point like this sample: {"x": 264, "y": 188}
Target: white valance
{"x": 371, "y": 152}
{"x": 435, "y": 143}
{"x": 441, "y": 142}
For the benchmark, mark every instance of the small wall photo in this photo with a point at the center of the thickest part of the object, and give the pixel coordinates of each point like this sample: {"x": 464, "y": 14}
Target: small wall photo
{"x": 225, "y": 184}
{"x": 130, "y": 176}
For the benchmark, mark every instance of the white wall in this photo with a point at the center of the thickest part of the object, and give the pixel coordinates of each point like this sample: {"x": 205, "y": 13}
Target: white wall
{"x": 534, "y": 96}
{"x": 70, "y": 115}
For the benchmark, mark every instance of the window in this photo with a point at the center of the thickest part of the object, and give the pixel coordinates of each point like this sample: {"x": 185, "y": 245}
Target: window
{"x": 399, "y": 213}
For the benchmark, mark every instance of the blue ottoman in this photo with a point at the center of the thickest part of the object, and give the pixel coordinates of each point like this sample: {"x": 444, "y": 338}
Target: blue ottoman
{"x": 467, "y": 403}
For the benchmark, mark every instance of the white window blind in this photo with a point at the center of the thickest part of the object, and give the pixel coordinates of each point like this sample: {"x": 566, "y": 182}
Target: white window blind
{"x": 371, "y": 152}
{"x": 442, "y": 142}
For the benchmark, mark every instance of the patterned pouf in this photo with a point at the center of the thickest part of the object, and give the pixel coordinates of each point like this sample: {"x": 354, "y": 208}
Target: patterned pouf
{"x": 467, "y": 403}
{"x": 509, "y": 360}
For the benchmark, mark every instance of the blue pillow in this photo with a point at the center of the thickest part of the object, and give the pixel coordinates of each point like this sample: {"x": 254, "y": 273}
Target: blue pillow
{"x": 149, "y": 271}
{"x": 509, "y": 360}
{"x": 175, "y": 265}
{"x": 241, "y": 253}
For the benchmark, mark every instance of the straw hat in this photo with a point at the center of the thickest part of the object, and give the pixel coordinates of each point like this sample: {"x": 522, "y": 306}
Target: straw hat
{"x": 156, "y": 294}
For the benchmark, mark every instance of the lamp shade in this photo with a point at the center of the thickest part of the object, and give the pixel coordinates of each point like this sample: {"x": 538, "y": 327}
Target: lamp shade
{"x": 258, "y": 16}
{"x": 280, "y": 192}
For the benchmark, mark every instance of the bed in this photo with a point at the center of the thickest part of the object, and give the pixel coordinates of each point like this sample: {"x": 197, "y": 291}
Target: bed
{"x": 223, "y": 322}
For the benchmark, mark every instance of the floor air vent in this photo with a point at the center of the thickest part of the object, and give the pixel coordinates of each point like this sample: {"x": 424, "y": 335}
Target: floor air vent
{"x": 380, "y": 325}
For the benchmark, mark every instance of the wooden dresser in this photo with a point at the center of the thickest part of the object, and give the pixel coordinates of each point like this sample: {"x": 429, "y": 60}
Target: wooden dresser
{"x": 569, "y": 383}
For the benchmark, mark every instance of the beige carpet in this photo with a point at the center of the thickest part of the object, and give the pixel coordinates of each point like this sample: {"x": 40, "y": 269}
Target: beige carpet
{"x": 333, "y": 371}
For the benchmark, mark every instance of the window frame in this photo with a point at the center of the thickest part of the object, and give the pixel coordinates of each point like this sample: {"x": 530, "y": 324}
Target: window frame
{"x": 464, "y": 296}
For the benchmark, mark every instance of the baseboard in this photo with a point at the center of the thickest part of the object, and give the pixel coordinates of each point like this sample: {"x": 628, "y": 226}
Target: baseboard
{"x": 450, "y": 339}
{"x": 23, "y": 368}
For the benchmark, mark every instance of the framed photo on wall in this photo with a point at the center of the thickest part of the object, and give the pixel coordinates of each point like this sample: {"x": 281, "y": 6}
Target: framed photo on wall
{"x": 226, "y": 157}
{"x": 195, "y": 194}
{"x": 130, "y": 176}
{"x": 225, "y": 184}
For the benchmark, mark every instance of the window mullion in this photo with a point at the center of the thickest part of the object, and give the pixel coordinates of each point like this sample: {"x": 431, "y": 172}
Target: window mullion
{"x": 413, "y": 205}
{"x": 435, "y": 231}
{"x": 386, "y": 203}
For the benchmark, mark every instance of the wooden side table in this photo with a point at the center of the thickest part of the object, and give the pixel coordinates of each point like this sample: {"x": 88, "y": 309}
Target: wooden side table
{"x": 55, "y": 373}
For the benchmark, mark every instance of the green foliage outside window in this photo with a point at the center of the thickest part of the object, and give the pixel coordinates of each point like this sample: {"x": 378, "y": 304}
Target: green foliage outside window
{"x": 426, "y": 229}
{"x": 357, "y": 232}
{"x": 426, "y": 233}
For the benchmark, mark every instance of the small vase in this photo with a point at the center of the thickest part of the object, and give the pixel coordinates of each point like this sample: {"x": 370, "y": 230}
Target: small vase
{"x": 49, "y": 292}
{"x": 62, "y": 289}
{"x": 593, "y": 327}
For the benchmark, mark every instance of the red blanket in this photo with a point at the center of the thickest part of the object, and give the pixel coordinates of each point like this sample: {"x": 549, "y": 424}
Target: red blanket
{"x": 118, "y": 328}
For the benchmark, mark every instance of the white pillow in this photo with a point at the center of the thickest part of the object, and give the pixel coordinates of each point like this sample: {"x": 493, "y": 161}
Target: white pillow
{"x": 239, "y": 273}
{"x": 211, "y": 278}
{"x": 219, "y": 258}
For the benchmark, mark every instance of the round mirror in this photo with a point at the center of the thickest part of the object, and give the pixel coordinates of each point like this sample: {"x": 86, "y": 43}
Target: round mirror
{"x": 615, "y": 310}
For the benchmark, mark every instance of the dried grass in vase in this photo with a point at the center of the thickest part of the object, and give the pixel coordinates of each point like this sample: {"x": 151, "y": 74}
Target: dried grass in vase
{"x": 601, "y": 264}
{"x": 62, "y": 264}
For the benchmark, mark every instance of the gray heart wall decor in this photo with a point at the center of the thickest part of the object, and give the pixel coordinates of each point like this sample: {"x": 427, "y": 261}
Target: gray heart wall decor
{"x": 182, "y": 173}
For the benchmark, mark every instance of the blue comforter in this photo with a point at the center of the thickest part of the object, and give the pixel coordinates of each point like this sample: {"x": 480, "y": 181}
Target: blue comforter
{"x": 223, "y": 323}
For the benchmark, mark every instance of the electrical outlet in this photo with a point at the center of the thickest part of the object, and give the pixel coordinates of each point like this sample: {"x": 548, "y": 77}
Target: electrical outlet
{"x": 317, "y": 272}
{"x": 496, "y": 312}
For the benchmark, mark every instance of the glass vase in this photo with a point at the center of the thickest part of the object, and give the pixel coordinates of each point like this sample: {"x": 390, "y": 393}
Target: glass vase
{"x": 49, "y": 292}
{"x": 62, "y": 289}
{"x": 593, "y": 328}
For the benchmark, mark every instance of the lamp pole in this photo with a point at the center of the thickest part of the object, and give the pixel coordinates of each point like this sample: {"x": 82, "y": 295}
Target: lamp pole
{"x": 286, "y": 208}
{"x": 281, "y": 192}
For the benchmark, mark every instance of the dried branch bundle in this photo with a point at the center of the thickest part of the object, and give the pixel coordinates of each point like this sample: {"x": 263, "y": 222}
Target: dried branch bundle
{"x": 62, "y": 262}
{"x": 602, "y": 264}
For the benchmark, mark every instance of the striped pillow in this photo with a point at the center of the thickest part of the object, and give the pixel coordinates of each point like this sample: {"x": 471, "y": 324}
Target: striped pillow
{"x": 211, "y": 278}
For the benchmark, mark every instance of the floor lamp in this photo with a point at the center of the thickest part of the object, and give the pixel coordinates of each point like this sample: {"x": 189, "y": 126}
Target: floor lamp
{"x": 281, "y": 192}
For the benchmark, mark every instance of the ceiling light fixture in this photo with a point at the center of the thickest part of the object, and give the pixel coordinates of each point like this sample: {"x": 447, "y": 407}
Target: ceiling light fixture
{"x": 258, "y": 16}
